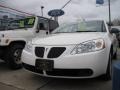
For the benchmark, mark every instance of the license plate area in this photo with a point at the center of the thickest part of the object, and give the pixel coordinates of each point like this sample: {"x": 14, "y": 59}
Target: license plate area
{"x": 43, "y": 64}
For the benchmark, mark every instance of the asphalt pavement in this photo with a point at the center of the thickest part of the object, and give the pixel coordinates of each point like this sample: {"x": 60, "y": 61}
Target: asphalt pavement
{"x": 24, "y": 80}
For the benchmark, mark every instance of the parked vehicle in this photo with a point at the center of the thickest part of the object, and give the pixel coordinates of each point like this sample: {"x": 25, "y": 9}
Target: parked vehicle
{"x": 14, "y": 37}
{"x": 117, "y": 34}
{"x": 75, "y": 50}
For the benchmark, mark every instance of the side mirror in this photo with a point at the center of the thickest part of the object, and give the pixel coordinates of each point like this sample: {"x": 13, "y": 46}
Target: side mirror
{"x": 114, "y": 30}
{"x": 41, "y": 26}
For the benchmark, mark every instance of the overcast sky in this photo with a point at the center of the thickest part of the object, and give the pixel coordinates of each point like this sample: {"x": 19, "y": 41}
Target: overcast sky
{"x": 75, "y": 10}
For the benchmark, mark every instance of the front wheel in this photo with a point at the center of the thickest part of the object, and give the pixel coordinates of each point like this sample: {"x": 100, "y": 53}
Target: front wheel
{"x": 14, "y": 56}
{"x": 108, "y": 74}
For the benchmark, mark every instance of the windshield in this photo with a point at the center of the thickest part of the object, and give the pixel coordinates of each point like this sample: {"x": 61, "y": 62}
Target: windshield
{"x": 86, "y": 26}
{"x": 21, "y": 23}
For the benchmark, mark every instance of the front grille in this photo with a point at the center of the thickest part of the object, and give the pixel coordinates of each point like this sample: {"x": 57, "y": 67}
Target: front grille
{"x": 32, "y": 68}
{"x": 70, "y": 72}
{"x": 56, "y": 52}
{"x": 39, "y": 51}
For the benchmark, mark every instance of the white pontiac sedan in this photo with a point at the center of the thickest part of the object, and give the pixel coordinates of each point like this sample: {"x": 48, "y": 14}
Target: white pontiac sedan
{"x": 74, "y": 50}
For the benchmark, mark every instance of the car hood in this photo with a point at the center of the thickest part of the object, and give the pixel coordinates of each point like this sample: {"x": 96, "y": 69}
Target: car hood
{"x": 68, "y": 38}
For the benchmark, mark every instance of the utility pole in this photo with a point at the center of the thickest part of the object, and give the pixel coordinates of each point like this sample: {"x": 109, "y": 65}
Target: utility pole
{"x": 56, "y": 18}
{"x": 109, "y": 6}
{"x": 66, "y": 4}
{"x": 42, "y": 7}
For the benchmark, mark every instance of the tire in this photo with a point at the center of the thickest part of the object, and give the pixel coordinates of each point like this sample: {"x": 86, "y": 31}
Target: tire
{"x": 115, "y": 55}
{"x": 14, "y": 56}
{"x": 108, "y": 75}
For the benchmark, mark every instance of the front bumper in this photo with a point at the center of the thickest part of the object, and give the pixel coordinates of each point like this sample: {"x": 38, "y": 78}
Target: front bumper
{"x": 86, "y": 65}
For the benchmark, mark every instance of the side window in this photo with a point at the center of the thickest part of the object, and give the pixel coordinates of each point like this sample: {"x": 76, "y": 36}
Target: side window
{"x": 3, "y": 24}
{"x": 13, "y": 25}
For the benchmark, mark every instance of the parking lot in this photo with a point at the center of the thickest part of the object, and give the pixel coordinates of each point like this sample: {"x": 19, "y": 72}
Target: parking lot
{"x": 24, "y": 80}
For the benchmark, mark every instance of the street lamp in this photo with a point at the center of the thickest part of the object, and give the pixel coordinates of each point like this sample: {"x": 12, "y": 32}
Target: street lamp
{"x": 109, "y": 10}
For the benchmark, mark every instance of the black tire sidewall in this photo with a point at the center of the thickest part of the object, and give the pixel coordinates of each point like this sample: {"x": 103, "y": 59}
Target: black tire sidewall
{"x": 108, "y": 75}
{"x": 10, "y": 56}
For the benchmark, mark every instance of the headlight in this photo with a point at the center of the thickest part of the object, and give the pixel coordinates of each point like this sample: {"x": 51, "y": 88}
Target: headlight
{"x": 89, "y": 46}
{"x": 28, "y": 46}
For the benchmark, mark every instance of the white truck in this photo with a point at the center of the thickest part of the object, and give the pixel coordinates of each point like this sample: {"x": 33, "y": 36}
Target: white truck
{"x": 14, "y": 37}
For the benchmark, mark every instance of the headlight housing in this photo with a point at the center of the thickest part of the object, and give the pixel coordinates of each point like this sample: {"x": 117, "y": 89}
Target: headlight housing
{"x": 89, "y": 46}
{"x": 28, "y": 46}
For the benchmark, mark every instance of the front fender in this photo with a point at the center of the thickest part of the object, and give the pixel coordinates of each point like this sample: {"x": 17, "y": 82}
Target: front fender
{"x": 7, "y": 41}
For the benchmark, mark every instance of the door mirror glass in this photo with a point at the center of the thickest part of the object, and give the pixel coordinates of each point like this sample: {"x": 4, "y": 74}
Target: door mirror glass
{"x": 41, "y": 26}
